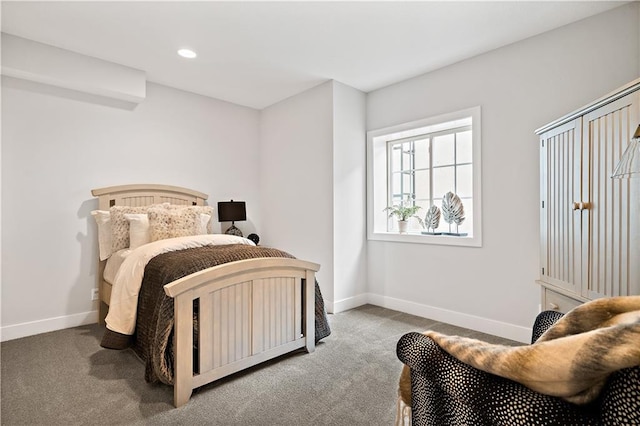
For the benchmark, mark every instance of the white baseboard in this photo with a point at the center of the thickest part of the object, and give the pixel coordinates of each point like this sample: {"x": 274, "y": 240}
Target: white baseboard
{"x": 484, "y": 325}
{"x": 350, "y": 303}
{"x": 25, "y": 329}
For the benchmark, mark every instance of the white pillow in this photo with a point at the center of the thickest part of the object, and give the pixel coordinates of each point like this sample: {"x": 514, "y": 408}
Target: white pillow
{"x": 202, "y": 227}
{"x": 139, "y": 233}
{"x": 103, "y": 219}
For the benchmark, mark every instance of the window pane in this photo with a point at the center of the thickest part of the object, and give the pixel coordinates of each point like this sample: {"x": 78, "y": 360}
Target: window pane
{"x": 443, "y": 181}
{"x": 424, "y": 204}
{"x": 422, "y": 185}
{"x": 443, "y": 150}
{"x": 464, "y": 181}
{"x": 407, "y": 183}
{"x": 422, "y": 153}
{"x": 395, "y": 158}
{"x": 406, "y": 156}
{"x": 395, "y": 184}
{"x": 464, "y": 152}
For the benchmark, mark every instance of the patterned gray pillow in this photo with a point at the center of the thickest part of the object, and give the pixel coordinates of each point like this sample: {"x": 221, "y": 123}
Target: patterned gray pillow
{"x": 199, "y": 209}
{"x": 170, "y": 223}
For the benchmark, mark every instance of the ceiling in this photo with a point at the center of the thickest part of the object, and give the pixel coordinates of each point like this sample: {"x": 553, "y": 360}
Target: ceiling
{"x": 258, "y": 53}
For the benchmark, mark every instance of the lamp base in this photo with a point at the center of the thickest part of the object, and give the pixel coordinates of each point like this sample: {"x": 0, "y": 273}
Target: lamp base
{"x": 233, "y": 231}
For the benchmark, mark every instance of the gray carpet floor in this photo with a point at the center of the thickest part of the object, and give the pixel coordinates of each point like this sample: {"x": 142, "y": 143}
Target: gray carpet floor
{"x": 66, "y": 378}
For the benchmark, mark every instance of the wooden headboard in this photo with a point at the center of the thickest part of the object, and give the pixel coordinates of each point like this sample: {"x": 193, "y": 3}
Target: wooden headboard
{"x": 146, "y": 194}
{"x": 138, "y": 195}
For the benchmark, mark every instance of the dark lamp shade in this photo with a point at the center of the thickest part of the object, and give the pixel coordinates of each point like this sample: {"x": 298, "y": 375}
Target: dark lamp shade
{"x": 232, "y": 211}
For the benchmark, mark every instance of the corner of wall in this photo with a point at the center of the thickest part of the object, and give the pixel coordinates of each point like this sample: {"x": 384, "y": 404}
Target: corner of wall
{"x": 349, "y": 195}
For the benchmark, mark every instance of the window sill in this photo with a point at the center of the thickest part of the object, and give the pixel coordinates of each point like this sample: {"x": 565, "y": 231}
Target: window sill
{"x": 416, "y": 238}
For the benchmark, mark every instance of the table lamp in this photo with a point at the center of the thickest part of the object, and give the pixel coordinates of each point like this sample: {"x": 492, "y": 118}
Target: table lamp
{"x": 232, "y": 211}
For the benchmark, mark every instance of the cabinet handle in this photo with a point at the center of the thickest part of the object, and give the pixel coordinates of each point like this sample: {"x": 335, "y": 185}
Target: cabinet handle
{"x": 580, "y": 206}
{"x": 553, "y": 306}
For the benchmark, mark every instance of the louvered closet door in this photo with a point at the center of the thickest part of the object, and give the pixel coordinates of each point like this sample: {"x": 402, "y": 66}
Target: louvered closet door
{"x": 612, "y": 243}
{"x": 561, "y": 226}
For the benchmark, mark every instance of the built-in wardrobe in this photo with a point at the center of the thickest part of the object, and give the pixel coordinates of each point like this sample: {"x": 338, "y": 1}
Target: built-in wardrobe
{"x": 589, "y": 222}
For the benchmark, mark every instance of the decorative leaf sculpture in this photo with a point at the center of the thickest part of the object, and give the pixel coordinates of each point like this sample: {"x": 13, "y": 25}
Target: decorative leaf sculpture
{"x": 432, "y": 218}
{"x": 452, "y": 209}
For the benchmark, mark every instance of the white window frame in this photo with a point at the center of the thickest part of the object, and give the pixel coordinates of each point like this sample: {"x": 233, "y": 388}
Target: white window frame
{"x": 377, "y": 180}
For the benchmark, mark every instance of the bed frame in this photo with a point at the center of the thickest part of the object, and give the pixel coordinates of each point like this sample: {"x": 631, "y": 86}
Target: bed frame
{"x": 250, "y": 311}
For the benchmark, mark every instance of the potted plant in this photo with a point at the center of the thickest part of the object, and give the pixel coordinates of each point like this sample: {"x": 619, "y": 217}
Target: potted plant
{"x": 403, "y": 214}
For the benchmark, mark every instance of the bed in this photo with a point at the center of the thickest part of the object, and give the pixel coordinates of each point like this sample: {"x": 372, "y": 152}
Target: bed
{"x": 222, "y": 319}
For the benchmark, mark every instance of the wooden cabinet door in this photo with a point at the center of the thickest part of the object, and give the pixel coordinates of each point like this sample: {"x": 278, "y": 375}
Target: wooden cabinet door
{"x": 612, "y": 238}
{"x": 561, "y": 163}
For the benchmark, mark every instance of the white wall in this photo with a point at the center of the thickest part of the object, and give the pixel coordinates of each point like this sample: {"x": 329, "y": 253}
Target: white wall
{"x": 349, "y": 201}
{"x": 296, "y": 179}
{"x": 55, "y": 150}
{"x": 520, "y": 87}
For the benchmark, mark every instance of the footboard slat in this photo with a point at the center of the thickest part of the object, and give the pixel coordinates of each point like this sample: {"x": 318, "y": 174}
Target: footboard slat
{"x": 216, "y": 318}
{"x": 221, "y": 340}
{"x": 288, "y": 320}
{"x": 242, "y": 321}
{"x": 205, "y": 335}
{"x": 183, "y": 338}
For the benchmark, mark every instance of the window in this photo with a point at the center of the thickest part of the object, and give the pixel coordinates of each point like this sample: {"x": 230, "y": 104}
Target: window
{"x": 416, "y": 164}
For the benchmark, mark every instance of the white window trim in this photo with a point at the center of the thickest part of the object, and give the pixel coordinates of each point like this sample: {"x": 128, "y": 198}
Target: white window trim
{"x": 377, "y": 182}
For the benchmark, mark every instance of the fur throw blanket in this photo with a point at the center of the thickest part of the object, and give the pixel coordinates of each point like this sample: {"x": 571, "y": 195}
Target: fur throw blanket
{"x": 571, "y": 360}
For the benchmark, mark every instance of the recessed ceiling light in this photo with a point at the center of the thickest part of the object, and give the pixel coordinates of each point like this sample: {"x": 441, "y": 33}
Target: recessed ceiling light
{"x": 187, "y": 53}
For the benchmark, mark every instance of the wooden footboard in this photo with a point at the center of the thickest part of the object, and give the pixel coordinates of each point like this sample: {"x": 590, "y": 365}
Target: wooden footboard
{"x": 250, "y": 311}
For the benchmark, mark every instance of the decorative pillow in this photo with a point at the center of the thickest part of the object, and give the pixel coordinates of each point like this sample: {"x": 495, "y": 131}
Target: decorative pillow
{"x": 120, "y": 225}
{"x": 103, "y": 219}
{"x": 170, "y": 223}
{"x": 139, "y": 233}
{"x": 208, "y": 210}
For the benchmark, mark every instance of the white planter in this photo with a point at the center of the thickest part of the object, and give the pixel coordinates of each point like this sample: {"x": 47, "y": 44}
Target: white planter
{"x": 402, "y": 226}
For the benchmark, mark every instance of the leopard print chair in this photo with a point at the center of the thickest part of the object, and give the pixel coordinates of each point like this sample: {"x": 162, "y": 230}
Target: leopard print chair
{"x": 447, "y": 392}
